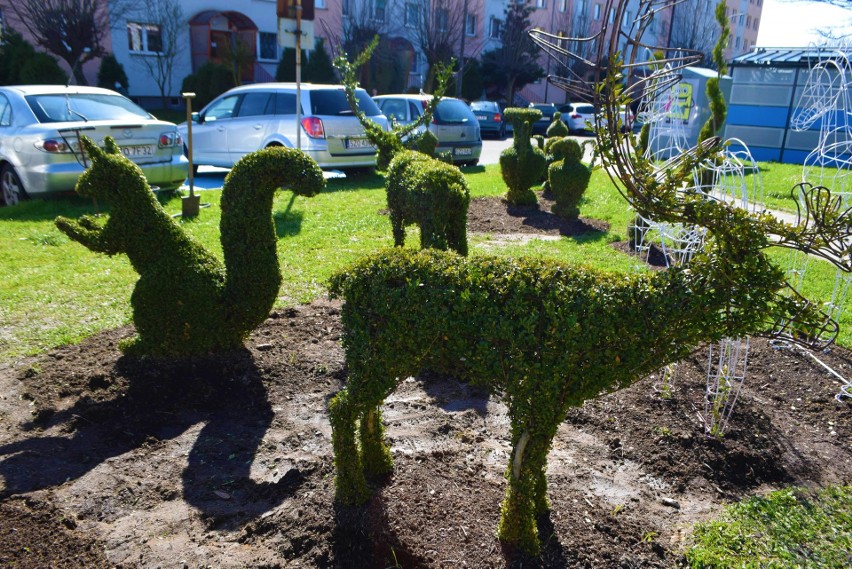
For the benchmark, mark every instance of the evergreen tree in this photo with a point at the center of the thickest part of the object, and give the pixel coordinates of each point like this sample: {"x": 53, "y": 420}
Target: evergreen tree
{"x": 111, "y": 73}
{"x": 319, "y": 68}
{"x": 515, "y": 63}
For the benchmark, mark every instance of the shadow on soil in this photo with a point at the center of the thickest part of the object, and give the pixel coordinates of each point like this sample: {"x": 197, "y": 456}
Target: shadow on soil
{"x": 161, "y": 401}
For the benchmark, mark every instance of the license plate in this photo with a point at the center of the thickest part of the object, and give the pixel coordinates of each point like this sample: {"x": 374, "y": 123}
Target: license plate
{"x": 482, "y": 117}
{"x": 358, "y": 143}
{"x": 463, "y": 151}
{"x": 138, "y": 150}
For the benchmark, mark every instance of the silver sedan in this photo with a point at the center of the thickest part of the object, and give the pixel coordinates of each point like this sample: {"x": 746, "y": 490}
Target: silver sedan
{"x": 41, "y": 127}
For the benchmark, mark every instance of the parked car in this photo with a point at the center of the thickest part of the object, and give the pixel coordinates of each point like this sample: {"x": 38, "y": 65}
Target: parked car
{"x": 453, "y": 123}
{"x": 251, "y": 117}
{"x": 547, "y": 112}
{"x": 490, "y": 117}
{"x": 580, "y": 117}
{"x": 40, "y": 127}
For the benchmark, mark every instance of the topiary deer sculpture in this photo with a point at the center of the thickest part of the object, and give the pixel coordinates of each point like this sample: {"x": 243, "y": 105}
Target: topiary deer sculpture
{"x": 420, "y": 189}
{"x": 548, "y": 336}
{"x": 186, "y": 301}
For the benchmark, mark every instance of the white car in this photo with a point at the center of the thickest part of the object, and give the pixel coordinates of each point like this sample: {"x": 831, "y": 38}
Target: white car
{"x": 453, "y": 123}
{"x": 578, "y": 117}
{"x": 40, "y": 129}
{"x": 252, "y": 117}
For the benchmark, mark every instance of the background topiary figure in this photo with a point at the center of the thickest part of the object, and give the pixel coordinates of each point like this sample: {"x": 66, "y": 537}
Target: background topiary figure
{"x": 522, "y": 165}
{"x": 400, "y": 137}
{"x": 433, "y": 194}
{"x": 568, "y": 177}
{"x": 186, "y": 301}
{"x": 422, "y": 190}
{"x": 557, "y": 127}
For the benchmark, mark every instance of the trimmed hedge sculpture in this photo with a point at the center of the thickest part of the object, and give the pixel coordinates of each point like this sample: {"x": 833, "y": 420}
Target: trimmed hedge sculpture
{"x": 557, "y": 127}
{"x": 522, "y": 165}
{"x": 432, "y": 194}
{"x": 546, "y": 335}
{"x": 421, "y": 189}
{"x": 186, "y": 302}
{"x": 568, "y": 177}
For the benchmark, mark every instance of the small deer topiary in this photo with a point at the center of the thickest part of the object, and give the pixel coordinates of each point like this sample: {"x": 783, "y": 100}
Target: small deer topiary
{"x": 568, "y": 177}
{"x": 522, "y": 165}
{"x": 421, "y": 189}
{"x": 186, "y": 301}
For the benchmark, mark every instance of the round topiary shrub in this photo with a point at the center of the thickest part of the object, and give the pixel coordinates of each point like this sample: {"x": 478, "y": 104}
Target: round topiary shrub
{"x": 522, "y": 165}
{"x": 568, "y": 177}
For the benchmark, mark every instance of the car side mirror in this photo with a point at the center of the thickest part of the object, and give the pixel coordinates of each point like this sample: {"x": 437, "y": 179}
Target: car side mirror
{"x": 196, "y": 118}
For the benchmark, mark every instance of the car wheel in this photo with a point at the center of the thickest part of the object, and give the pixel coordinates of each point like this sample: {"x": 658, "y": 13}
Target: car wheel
{"x": 11, "y": 188}
{"x": 502, "y": 134}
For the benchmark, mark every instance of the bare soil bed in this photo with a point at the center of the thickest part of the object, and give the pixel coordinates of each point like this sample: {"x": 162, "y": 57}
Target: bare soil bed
{"x": 225, "y": 461}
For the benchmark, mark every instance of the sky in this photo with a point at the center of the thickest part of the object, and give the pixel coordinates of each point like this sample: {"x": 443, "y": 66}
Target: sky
{"x": 791, "y": 24}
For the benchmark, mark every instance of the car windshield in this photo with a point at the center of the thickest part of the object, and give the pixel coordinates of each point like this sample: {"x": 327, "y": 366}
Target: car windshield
{"x": 584, "y": 109}
{"x": 73, "y": 107}
{"x": 484, "y": 106}
{"x": 453, "y": 111}
{"x": 333, "y": 102}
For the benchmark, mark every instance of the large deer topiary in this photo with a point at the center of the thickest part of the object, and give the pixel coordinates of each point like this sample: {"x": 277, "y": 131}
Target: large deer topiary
{"x": 421, "y": 190}
{"x": 548, "y": 336}
{"x": 186, "y": 301}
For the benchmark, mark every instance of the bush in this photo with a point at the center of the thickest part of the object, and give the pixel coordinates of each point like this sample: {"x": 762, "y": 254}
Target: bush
{"x": 21, "y": 64}
{"x": 568, "y": 177}
{"x": 557, "y": 127}
{"x": 319, "y": 68}
{"x": 42, "y": 69}
{"x": 185, "y": 301}
{"x": 111, "y": 73}
{"x": 521, "y": 165}
{"x": 432, "y": 194}
{"x": 210, "y": 81}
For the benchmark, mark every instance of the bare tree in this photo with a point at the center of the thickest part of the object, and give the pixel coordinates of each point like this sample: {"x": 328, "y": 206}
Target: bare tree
{"x": 437, "y": 29}
{"x": 72, "y": 30}
{"x": 168, "y": 18}
{"x": 690, "y": 28}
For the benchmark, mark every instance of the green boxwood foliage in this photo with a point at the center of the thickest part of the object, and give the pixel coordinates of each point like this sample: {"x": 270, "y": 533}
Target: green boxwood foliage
{"x": 432, "y": 194}
{"x": 185, "y": 301}
{"x": 568, "y": 177}
{"x": 546, "y": 335}
{"x": 557, "y": 127}
{"x": 208, "y": 82}
{"x": 521, "y": 165}
{"x": 111, "y": 73}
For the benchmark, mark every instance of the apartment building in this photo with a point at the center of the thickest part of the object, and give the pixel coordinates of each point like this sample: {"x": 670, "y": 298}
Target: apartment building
{"x": 208, "y": 28}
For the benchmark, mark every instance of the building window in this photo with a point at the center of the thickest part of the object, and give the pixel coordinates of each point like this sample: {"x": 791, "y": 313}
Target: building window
{"x": 415, "y": 63}
{"x": 319, "y": 4}
{"x": 611, "y": 15}
{"x": 628, "y": 18}
{"x": 442, "y": 16}
{"x": 581, "y": 8}
{"x": 345, "y": 7}
{"x": 541, "y": 3}
{"x": 144, "y": 38}
{"x": 563, "y": 5}
{"x": 470, "y": 25}
{"x": 748, "y": 21}
{"x": 597, "y": 12}
{"x": 379, "y": 10}
{"x": 412, "y": 15}
{"x": 494, "y": 28}
{"x": 267, "y": 46}
{"x": 756, "y": 23}
{"x": 737, "y": 43}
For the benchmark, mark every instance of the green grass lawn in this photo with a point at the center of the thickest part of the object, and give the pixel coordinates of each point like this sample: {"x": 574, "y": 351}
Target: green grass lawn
{"x": 787, "y": 528}
{"x": 54, "y": 291}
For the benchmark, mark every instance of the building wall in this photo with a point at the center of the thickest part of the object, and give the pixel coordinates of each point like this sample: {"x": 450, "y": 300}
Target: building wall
{"x": 553, "y": 16}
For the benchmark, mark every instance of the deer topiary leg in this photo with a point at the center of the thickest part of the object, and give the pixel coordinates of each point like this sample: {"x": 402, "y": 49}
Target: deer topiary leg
{"x": 375, "y": 454}
{"x": 457, "y": 233}
{"x": 526, "y": 495}
{"x": 398, "y": 227}
{"x": 350, "y": 484}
